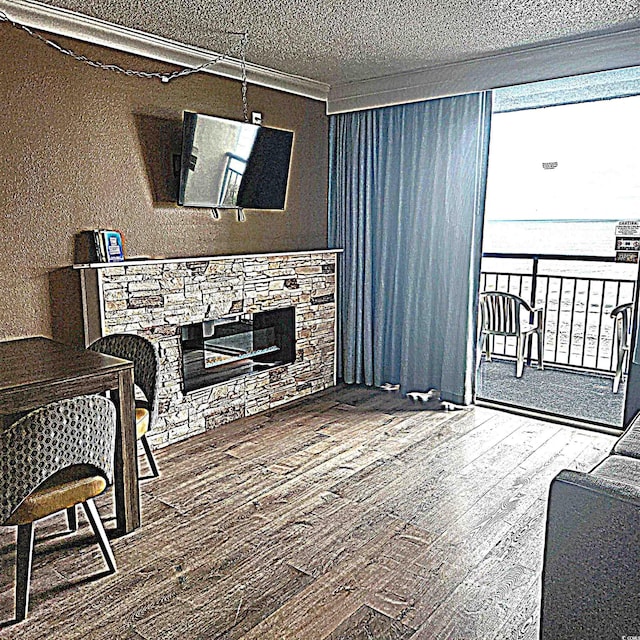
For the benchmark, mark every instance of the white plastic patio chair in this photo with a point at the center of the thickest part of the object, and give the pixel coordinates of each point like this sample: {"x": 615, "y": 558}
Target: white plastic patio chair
{"x": 509, "y": 315}
{"x": 622, "y": 318}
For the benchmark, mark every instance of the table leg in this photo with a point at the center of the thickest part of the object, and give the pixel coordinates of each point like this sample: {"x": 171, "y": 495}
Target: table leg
{"x": 125, "y": 481}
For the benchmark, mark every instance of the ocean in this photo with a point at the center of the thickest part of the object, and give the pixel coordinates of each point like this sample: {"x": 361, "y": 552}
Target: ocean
{"x": 570, "y": 237}
{"x": 564, "y": 237}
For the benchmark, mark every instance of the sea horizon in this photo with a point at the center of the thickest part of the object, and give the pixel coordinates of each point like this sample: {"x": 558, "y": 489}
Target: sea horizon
{"x": 551, "y": 236}
{"x": 560, "y": 219}
{"x": 569, "y": 237}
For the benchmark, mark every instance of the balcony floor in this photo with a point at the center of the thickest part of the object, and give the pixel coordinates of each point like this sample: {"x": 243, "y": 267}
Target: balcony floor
{"x": 577, "y": 395}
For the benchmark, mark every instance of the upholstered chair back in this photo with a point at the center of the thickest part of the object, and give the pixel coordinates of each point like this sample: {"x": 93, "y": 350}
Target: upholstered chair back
{"x": 77, "y": 431}
{"x": 146, "y": 363}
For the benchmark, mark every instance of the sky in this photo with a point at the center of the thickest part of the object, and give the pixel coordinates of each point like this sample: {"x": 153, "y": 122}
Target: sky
{"x": 597, "y": 148}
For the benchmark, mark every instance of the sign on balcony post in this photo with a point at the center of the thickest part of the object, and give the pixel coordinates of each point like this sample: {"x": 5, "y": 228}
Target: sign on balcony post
{"x": 627, "y": 241}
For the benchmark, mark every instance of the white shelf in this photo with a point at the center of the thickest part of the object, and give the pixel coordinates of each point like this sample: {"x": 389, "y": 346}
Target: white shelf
{"x": 152, "y": 261}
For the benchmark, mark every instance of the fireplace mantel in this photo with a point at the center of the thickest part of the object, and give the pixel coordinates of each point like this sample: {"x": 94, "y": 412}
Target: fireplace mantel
{"x": 155, "y": 298}
{"x": 235, "y": 256}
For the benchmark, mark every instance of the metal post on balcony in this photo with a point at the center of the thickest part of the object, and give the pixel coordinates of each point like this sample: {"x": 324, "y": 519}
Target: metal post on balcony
{"x": 532, "y": 301}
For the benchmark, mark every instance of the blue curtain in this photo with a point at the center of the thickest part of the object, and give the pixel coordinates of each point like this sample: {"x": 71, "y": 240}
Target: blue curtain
{"x": 406, "y": 200}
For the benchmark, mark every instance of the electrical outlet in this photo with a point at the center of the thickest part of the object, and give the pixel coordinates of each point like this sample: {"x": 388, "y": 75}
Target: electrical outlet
{"x": 256, "y": 117}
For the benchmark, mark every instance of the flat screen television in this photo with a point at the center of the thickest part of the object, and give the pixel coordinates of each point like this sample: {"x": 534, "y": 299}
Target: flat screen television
{"x": 231, "y": 164}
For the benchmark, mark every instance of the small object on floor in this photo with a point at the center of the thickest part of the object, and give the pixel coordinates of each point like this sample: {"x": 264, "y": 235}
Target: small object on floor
{"x": 387, "y": 386}
{"x": 449, "y": 406}
{"x": 433, "y": 400}
{"x": 420, "y": 396}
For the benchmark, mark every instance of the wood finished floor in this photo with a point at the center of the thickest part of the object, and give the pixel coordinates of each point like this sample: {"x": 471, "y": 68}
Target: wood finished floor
{"x": 352, "y": 515}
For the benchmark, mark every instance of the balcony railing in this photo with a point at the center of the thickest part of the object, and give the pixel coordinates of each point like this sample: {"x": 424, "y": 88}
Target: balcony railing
{"x": 578, "y": 294}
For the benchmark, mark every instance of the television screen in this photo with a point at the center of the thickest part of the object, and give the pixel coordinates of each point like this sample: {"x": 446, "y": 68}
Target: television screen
{"x": 226, "y": 163}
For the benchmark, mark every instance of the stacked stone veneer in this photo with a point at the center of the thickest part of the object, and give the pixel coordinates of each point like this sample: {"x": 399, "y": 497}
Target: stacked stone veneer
{"x": 155, "y": 299}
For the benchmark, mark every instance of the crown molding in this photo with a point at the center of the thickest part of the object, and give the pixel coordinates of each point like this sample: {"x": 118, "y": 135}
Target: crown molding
{"x": 544, "y": 62}
{"x": 74, "y": 25}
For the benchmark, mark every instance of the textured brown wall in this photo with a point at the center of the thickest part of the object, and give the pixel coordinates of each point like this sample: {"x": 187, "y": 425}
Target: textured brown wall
{"x": 82, "y": 148}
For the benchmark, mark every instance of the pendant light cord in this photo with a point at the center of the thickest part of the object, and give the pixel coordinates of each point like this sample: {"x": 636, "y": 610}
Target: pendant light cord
{"x": 240, "y": 47}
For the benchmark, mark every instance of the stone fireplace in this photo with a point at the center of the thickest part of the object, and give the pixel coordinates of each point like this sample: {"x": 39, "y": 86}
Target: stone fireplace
{"x": 252, "y": 332}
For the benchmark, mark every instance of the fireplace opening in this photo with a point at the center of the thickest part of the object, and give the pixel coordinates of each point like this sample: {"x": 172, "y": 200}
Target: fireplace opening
{"x": 218, "y": 350}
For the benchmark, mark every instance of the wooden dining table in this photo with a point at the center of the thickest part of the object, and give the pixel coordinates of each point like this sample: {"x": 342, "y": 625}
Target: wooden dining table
{"x": 35, "y": 371}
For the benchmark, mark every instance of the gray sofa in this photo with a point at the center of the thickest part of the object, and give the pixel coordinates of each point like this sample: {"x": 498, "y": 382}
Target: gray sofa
{"x": 591, "y": 571}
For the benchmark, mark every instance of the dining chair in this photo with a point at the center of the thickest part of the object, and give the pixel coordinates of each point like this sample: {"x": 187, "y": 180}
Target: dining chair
{"x": 622, "y": 318}
{"x": 52, "y": 459}
{"x": 509, "y": 315}
{"x": 146, "y": 371}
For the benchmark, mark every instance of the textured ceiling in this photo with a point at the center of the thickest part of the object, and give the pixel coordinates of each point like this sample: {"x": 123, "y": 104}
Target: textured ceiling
{"x": 335, "y": 41}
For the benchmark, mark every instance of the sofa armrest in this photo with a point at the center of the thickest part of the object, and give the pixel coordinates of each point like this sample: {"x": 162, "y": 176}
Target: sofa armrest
{"x": 591, "y": 576}
{"x": 629, "y": 442}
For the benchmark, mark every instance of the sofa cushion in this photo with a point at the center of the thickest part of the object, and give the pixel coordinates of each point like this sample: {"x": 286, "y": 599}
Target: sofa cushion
{"x": 629, "y": 442}
{"x": 619, "y": 469}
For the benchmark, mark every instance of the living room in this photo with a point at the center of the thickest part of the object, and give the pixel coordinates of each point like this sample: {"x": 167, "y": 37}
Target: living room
{"x": 299, "y": 507}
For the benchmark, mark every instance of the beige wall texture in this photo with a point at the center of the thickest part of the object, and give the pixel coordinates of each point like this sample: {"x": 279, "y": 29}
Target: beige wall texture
{"x": 82, "y": 148}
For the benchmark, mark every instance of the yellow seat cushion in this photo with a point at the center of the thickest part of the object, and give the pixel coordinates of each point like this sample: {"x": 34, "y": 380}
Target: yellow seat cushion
{"x": 142, "y": 422}
{"x": 62, "y": 490}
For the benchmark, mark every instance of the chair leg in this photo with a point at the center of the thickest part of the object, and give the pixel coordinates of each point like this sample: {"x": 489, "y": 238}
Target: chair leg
{"x": 616, "y": 383}
{"x": 618, "y": 377}
{"x": 479, "y": 344}
{"x": 24, "y": 557}
{"x": 540, "y": 334}
{"x": 487, "y": 347}
{"x": 519, "y": 357}
{"x": 96, "y": 524}
{"x": 150, "y": 458}
{"x": 72, "y": 518}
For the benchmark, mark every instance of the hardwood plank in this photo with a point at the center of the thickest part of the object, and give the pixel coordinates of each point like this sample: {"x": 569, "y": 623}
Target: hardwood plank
{"x": 499, "y": 523}
{"x": 367, "y": 623}
{"x": 434, "y": 502}
{"x": 352, "y": 514}
{"x": 232, "y": 610}
{"x": 524, "y": 624}
{"x": 481, "y": 604}
{"x": 337, "y": 536}
{"x": 338, "y": 592}
{"x": 443, "y": 445}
